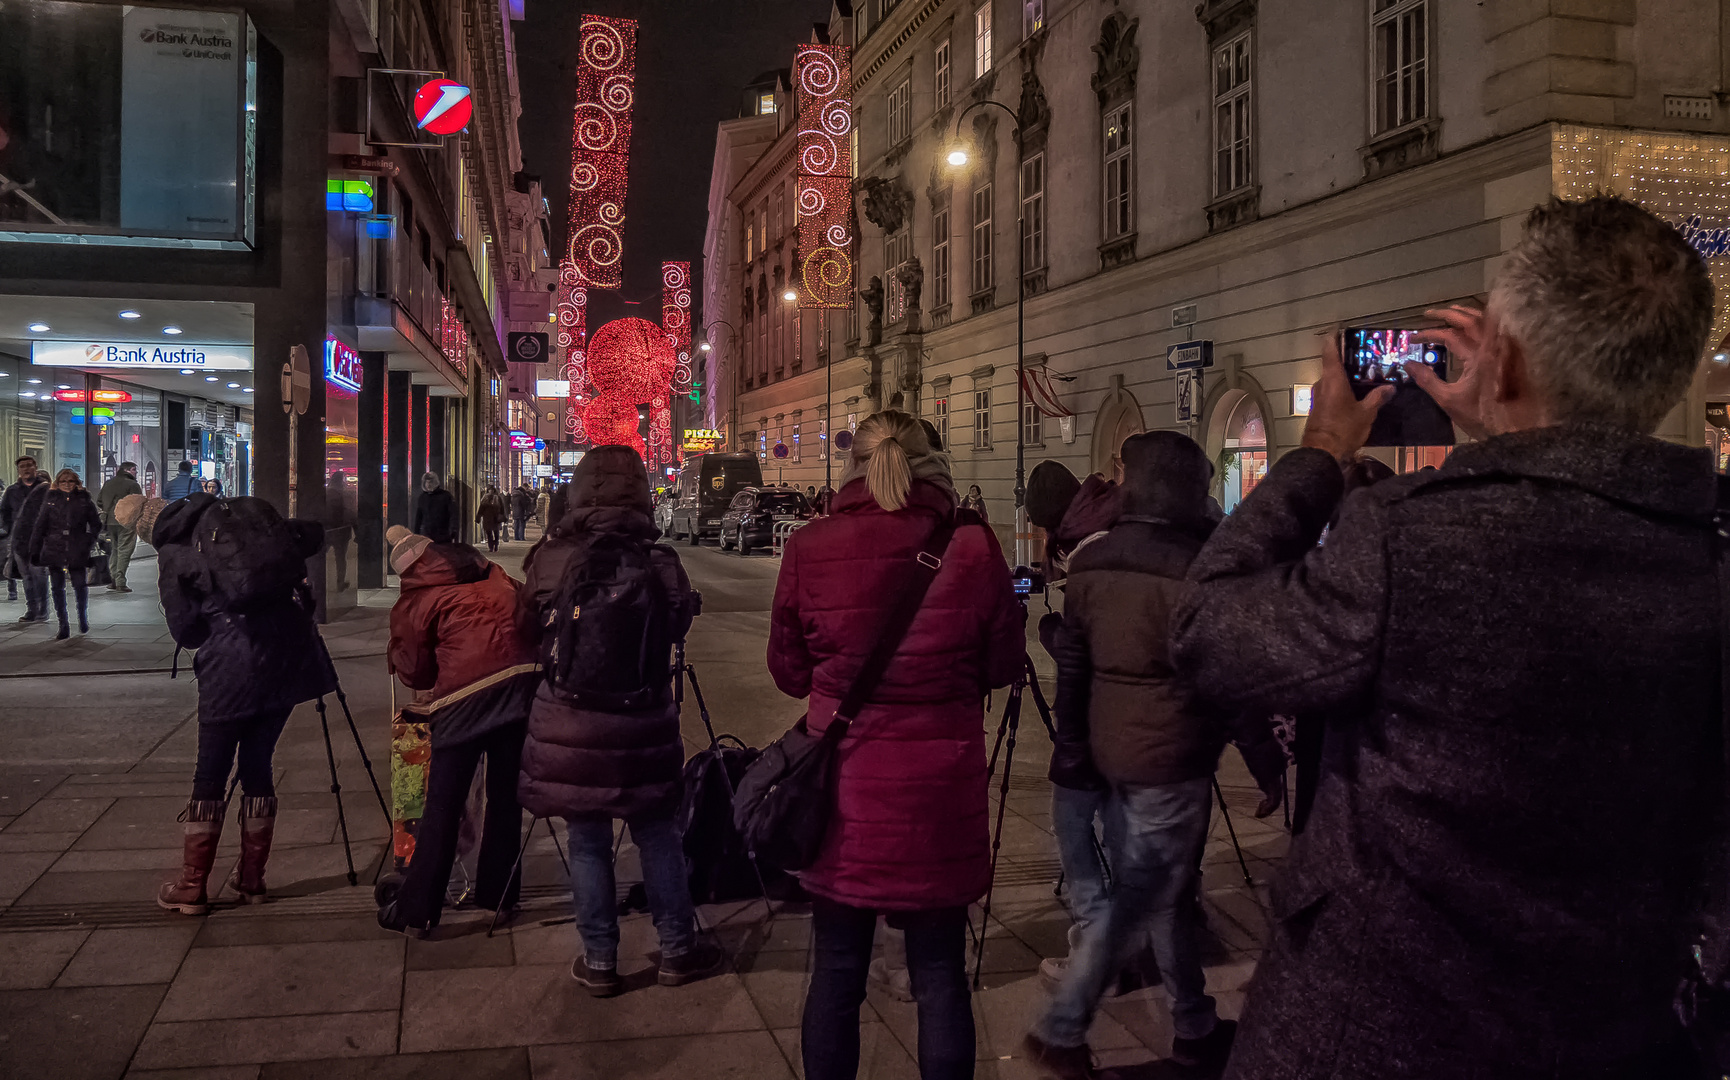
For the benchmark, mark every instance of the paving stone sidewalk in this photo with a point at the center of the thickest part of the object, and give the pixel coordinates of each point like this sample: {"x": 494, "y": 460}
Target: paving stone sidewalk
{"x": 96, "y": 982}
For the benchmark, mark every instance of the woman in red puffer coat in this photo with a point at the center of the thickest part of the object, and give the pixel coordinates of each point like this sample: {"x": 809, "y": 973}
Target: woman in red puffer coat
{"x": 910, "y": 834}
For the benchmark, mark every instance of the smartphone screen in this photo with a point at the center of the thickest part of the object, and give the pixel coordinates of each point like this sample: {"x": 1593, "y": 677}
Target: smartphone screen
{"x": 1382, "y": 357}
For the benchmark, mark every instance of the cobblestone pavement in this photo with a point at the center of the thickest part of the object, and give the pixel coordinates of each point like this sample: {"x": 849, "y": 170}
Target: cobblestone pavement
{"x": 96, "y": 751}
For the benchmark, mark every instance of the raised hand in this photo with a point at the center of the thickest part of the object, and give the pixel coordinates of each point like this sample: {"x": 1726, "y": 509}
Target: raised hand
{"x": 1465, "y": 337}
{"x": 1339, "y": 423}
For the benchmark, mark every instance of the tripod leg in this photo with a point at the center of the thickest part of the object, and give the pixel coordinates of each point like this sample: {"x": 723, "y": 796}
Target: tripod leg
{"x": 336, "y": 789}
{"x": 364, "y": 760}
{"x": 702, "y": 706}
{"x": 517, "y": 868}
{"x": 1226, "y": 814}
{"x": 1011, "y": 724}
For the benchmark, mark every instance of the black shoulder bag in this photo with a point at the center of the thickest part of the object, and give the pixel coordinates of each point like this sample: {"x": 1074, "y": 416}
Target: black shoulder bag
{"x": 786, "y": 798}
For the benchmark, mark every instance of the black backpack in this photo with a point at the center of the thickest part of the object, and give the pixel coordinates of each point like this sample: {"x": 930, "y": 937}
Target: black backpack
{"x": 607, "y": 642}
{"x": 248, "y": 553}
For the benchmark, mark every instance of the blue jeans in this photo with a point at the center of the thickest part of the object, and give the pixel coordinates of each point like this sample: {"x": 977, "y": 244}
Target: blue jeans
{"x": 1072, "y": 814}
{"x": 1152, "y": 834}
{"x": 841, "y": 938}
{"x": 35, "y": 587}
{"x": 596, "y": 896}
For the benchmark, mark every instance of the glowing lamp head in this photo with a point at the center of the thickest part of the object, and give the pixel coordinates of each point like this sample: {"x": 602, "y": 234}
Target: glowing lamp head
{"x": 789, "y": 296}
{"x": 957, "y": 157}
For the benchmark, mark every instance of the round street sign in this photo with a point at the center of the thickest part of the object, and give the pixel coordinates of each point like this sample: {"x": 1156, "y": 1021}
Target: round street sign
{"x": 780, "y": 450}
{"x": 443, "y": 107}
{"x": 843, "y": 440}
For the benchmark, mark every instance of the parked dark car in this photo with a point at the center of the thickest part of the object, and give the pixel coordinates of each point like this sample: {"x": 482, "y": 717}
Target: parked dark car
{"x": 750, "y": 521}
{"x": 705, "y": 491}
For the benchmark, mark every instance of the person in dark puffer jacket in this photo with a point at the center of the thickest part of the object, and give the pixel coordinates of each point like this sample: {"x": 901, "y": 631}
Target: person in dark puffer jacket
{"x": 910, "y": 835}
{"x": 255, "y": 663}
{"x": 66, "y": 528}
{"x": 454, "y": 636}
{"x": 591, "y": 767}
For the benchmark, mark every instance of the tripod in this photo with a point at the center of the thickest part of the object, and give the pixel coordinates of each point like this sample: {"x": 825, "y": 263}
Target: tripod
{"x": 330, "y": 759}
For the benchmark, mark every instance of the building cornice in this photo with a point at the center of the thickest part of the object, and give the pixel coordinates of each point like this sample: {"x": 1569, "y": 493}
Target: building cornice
{"x": 890, "y": 45}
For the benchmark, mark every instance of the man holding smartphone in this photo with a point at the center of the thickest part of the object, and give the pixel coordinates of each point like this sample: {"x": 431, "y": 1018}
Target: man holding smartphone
{"x": 1517, "y": 659}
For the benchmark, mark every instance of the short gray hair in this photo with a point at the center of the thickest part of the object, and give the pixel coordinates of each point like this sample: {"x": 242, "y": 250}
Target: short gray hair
{"x": 1612, "y": 307}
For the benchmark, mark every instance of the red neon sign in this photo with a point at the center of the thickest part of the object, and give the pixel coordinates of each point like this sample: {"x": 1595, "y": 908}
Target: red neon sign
{"x": 443, "y": 107}
{"x": 101, "y": 397}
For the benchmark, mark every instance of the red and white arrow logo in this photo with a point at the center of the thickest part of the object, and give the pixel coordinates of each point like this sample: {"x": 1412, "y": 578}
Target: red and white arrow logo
{"x": 443, "y": 107}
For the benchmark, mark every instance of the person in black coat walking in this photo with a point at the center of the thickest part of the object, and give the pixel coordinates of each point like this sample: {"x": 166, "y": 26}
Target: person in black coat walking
{"x": 435, "y": 511}
{"x": 1518, "y": 659}
{"x": 259, "y": 655}
{"x": 14, "y": 524}
{"x": 522, "y": 505}
{"x": 66, "y": 528}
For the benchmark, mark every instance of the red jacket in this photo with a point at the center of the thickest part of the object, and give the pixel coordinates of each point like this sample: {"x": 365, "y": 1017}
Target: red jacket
{"x": 455, "y": 621}
{"x": 911, "y": 829}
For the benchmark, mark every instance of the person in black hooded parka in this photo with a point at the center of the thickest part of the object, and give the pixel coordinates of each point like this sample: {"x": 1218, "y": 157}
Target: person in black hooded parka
{"x": 257, "y": 659}
{"x": 66, "y": 528}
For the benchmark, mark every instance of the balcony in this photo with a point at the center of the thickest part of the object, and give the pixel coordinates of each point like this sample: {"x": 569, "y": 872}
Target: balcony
{"x": 404, "y": 315}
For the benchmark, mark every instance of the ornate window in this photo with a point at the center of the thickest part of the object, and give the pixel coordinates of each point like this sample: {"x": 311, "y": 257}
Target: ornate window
{"x": 1233, "y": 103}
{"x": 940, "y": 64}
{"x": 1119, "y": 173}
{"x": 900, "y": 112}
{"x": 982, "y": 418}
{"x": 1033, "y": 213}
{"x": 940, "y": 288}
{"x": 981, "y": 40}
{"x": 940, "y": 418}
{"x": 984, "y": 276}
{"x": 1032, "y": 423}
{"x": 1400, "y": 31}
{"x": 1032, "y": 17}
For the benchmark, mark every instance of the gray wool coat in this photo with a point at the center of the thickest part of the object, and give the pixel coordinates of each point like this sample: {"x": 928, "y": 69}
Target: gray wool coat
{"x": 1517, "y": 656}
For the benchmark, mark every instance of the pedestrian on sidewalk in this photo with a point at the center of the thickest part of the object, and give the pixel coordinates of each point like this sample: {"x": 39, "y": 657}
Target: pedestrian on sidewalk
{"x": 232, "y": 577}
{"x": 543, "y": 501}
{"x": 592, "y": 763}
{"x": 183, "y": 483}
{"x": 489, "y": 515}
{"x": 453, "y": 635}
{"x": 910, "y": 835}
{"x": 435, "y": 511}
{"x": 1518, "y": 656}
{"x": 974, "y": 500}
{"x": 13, "y": 524}
{"x": 122, "y": 542}
{"x": 522, "y": 505}
{"x": 1154, "y": 746}
{"x": 66, "y": 528}
{"x": 31, "y": 498}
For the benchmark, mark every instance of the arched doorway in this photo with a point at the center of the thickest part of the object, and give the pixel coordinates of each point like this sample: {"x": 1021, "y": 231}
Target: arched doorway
{"x": 1118, "y": 418}
{"x": 1243, "y": 457}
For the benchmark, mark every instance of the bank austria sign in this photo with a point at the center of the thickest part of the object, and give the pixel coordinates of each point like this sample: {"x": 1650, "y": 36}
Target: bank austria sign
{"x": 140, "y": 355}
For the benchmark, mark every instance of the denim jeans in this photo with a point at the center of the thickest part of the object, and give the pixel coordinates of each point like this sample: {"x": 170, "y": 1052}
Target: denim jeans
{"x": 596, "y": 896}
{"x": 251, "y": 739}
{"x": 1072, "y": 814}
{"x": 936, "y": 964}
{"x": 1152, "y": 835}
{"x": 35, "y": 587}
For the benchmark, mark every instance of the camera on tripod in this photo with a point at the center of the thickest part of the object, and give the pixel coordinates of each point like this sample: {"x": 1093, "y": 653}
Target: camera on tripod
{"x": 1026, "y": 581}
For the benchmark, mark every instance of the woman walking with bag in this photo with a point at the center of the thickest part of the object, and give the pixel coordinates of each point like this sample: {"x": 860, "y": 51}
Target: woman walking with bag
{"x": 909, "y": 835}
{"x": 68, "y": 526}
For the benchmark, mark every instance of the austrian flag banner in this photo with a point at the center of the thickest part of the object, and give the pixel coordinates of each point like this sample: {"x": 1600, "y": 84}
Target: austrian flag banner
{"x": 601, "y": 149}
{"x": 823, "y": 79}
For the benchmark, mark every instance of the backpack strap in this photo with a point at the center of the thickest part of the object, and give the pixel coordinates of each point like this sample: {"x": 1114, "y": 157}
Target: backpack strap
{"x": 923, "y": 572}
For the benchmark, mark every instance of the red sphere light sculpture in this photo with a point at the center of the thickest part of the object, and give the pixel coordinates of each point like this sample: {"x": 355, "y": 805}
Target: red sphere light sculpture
{"x": 630, "y": 363}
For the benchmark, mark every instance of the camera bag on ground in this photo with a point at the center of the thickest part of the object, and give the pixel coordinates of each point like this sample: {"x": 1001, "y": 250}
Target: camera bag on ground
{"x": 610, "y": 631}
{"x": 786, "y": 798}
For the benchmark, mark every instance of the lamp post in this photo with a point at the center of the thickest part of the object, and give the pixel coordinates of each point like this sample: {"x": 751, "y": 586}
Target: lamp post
{"x": 958, "y": 158}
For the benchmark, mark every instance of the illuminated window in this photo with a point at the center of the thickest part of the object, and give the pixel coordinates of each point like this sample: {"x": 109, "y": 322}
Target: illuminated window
{"x": 900, "y": 112}
{"x": 982, "y": 40}
{"x": 1033, "y": 212}
{"x": 1401, "y": 33}
{"x": 1232, "y": 102}
{"x": 940, "y": 258}
{"x": 983, "y": 273}
{"x": 941, "y": 82}
{"x": 765, "y": 104}
{"x": 1119, "y": 174}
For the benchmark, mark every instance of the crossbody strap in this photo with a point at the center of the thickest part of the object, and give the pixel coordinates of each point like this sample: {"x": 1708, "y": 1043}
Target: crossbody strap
{"x": 922, "y": 573}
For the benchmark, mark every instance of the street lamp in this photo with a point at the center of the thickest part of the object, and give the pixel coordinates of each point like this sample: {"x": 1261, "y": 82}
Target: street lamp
{"x": 958, "y": 158}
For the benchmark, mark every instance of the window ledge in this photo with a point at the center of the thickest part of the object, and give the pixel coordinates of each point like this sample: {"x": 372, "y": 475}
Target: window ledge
{"x": 939, "y": 316}
{"x": 1034, "y": 281}
{"x": 1117, "y": 251}
{"x": 1402, "y": 148}
{"x": 1233, "y": 209}
{"x": 983, "y": 301}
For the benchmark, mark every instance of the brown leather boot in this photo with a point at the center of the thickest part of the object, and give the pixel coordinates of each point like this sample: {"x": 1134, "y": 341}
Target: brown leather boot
{"x": 257, "y": 826}
{"x": 203, "y": 819}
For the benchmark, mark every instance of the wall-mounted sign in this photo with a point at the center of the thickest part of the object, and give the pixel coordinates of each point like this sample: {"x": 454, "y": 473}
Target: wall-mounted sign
{"x": 543, "y": 470}
{"x": 553, "y": 388}
{"x": 104, "y": 397}
{"x": 701, "y": 440}
{"x": 527, "y": 348}
{"x": 137, "y": 354}
{"x": 99, "y": 416}
{"x": 1186, "y": 395}
{"x": 1189, "y": 355}
{"x": 522, "y": 440}
{"x": 568, "y": 458}
{"x": 1302, "y": 394}
{"x": 354, "y": 196}
{"x": 443, "y": 107}
{"x": 376, "y": 164}
{"x": 341, "y": 365}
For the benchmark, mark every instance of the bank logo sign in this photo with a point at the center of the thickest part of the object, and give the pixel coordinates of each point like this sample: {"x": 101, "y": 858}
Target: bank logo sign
{"x": 138, "y": 354}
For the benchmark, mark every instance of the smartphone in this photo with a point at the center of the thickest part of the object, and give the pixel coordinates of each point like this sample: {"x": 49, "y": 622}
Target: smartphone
{"x": 1376, "y": 356}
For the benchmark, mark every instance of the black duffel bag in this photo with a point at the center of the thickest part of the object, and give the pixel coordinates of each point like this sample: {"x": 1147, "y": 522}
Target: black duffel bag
{"x": 787, "y": 796}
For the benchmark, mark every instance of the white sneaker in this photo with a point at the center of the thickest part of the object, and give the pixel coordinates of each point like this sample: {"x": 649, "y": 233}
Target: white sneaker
{"x": 1052, "y": 969}
{"x": 895, "y": 982}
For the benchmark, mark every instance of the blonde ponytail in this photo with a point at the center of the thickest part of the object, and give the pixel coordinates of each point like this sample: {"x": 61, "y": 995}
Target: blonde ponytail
{"x": 888, "y": 476}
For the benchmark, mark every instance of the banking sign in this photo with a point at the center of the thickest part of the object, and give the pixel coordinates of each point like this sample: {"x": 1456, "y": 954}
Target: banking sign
{"x": 138, "y": 354}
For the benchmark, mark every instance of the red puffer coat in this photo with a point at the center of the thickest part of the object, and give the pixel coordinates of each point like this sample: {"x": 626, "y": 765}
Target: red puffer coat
{"x": 910, "y": 830}
{"x": 455, "y": 621}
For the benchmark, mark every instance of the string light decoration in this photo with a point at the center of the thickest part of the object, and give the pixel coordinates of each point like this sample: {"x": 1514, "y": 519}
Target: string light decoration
{"x": 572, "y": 309}
{"x": 676, "y": 319}
{"x": 453, "y": 336}
{"x": 601, "y": 150}
{"x": 631, "y": 363}
{"x": 823, "y": 195}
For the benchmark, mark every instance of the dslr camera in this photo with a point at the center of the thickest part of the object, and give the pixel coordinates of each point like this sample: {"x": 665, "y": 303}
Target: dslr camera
{"x": 1026, "y": 581}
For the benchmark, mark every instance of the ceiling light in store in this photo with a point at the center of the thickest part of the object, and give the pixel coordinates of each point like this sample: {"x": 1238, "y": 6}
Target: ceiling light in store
{"x": 212, "y": 378}
{"x": 234, "y": 386}
{"x": 130, "y": 314}
{"x": 26, "y": 393}
{"x": 34, "y": 382}
{"x": 246, "y": 389}
{"x": 39, "y": 328}
{"x": 187, "y": 371}
{"x": 5, "y": 374}
{"x": 64, "y": 386}
{"x": 174, "y": 330}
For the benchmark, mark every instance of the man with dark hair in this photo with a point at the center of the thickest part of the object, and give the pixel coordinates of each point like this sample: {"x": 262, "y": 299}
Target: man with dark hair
{"x": 122, "y": 541}
{"x": 182, "y": 484}
{"x": 1517, "y": 658}
{"x": 17, "y": 515}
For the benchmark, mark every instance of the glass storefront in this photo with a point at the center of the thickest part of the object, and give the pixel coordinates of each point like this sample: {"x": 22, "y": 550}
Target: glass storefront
{"x": 1245, "y": 456}
{"x": 135, "y": 435}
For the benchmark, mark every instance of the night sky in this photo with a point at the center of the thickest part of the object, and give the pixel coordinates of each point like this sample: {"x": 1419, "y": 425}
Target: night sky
{"x": 694, "y": 58}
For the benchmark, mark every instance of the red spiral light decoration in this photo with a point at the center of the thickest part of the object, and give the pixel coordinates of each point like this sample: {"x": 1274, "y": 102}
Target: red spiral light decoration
{"x": 823, "y": 79}
{"x": 676, "y": 319}
{"x": 601, "y": 150}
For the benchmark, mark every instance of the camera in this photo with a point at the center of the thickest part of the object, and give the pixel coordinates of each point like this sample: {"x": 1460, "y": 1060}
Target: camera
{"x": 1026, "y": 581}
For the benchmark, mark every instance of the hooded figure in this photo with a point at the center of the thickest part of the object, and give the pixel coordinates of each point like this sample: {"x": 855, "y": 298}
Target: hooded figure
{"x": 435, "y": 511}
{"x": 591, "y": 766}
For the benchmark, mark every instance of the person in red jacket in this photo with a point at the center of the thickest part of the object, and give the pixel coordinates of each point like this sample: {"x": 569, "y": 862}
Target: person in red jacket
{"x": 453, "y": 635}
{"x": 910, "y": 836}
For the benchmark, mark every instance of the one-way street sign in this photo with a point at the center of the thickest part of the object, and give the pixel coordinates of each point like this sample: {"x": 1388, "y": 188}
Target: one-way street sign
{"x": 1189, "y": 356}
